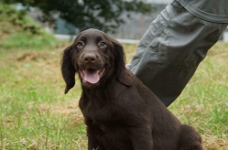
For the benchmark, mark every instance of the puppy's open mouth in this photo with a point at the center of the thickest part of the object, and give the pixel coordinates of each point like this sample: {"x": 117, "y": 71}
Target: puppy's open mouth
{"x": 91, "y": 76}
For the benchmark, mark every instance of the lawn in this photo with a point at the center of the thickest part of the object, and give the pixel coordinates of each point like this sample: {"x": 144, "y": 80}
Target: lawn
{"x": 36, "y": 115}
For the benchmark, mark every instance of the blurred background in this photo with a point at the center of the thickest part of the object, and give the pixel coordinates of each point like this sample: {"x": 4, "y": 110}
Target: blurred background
{"x": 34, "y": 112}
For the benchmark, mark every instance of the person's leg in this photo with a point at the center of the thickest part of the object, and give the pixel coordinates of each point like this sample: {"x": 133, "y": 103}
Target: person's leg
{"x": 171, "y": 50}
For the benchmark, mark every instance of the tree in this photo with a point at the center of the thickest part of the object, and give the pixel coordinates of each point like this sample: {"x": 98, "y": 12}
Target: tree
{"x": 101, "y": 14}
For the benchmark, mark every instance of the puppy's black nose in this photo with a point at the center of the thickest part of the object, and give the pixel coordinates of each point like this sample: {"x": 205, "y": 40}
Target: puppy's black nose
{"x": 89, "y": 58}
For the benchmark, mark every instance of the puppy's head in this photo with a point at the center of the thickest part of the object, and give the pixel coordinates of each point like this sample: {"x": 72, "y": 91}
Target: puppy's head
{"x": 95, "y": 57}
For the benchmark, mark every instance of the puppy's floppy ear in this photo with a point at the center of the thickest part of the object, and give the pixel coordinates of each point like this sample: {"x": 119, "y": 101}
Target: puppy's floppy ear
{"x": 119, "y": 56}
{"x": 67, "y": 68}
{"x": 124, "y": 76}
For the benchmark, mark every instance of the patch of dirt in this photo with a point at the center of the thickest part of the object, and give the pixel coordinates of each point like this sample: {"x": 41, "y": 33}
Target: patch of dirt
{"x": 188, "y": 108}
{"x": 42, "y": 65}
{"x": 214, "y": 143}
{"x": 32, "y": 55}
{"x": 225, "y": 54}
{"x": 65, "y": 108}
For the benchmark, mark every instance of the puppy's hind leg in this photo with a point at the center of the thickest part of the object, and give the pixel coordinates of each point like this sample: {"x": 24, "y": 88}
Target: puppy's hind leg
{"x": 189, "y": 139}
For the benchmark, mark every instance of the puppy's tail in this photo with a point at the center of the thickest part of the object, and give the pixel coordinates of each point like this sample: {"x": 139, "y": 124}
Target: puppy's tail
{"x": 189, "y": 139}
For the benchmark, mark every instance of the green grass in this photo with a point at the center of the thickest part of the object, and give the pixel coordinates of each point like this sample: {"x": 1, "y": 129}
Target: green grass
{"x": 205, "y": 99}
{"x": 204, "y": 102}
{"x": 18, "y": 30}
{"x": 31, "y": 96}
{"x": 35, "y": 114}
{"x": 28, "y": 40}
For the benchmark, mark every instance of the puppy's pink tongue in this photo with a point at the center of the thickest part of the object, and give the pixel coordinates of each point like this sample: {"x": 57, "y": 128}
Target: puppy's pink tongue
{"x": 91, "y": 76}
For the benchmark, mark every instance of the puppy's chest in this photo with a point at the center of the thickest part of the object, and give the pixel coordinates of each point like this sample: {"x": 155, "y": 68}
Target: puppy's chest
{"x": 100, "y": 115}
{"x": 112, "y": 133}
{"x": 103, "y": 117}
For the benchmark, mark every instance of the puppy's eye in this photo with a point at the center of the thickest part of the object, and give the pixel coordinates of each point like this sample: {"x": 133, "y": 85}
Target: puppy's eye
{"x": 102, "y": 44}
{"x": 80, "y": 44}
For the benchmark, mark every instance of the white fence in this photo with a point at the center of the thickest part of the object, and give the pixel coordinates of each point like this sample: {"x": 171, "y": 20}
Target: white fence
{"x": 225, "y": 36}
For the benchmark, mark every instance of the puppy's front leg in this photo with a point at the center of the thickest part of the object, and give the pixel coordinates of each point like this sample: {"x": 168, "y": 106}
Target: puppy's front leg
{"x": 141, "y": 138}
{"x": 93, "y": 142}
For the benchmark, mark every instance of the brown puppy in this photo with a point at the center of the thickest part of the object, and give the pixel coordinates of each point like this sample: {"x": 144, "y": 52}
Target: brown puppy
{"x": 119, "y": 111}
